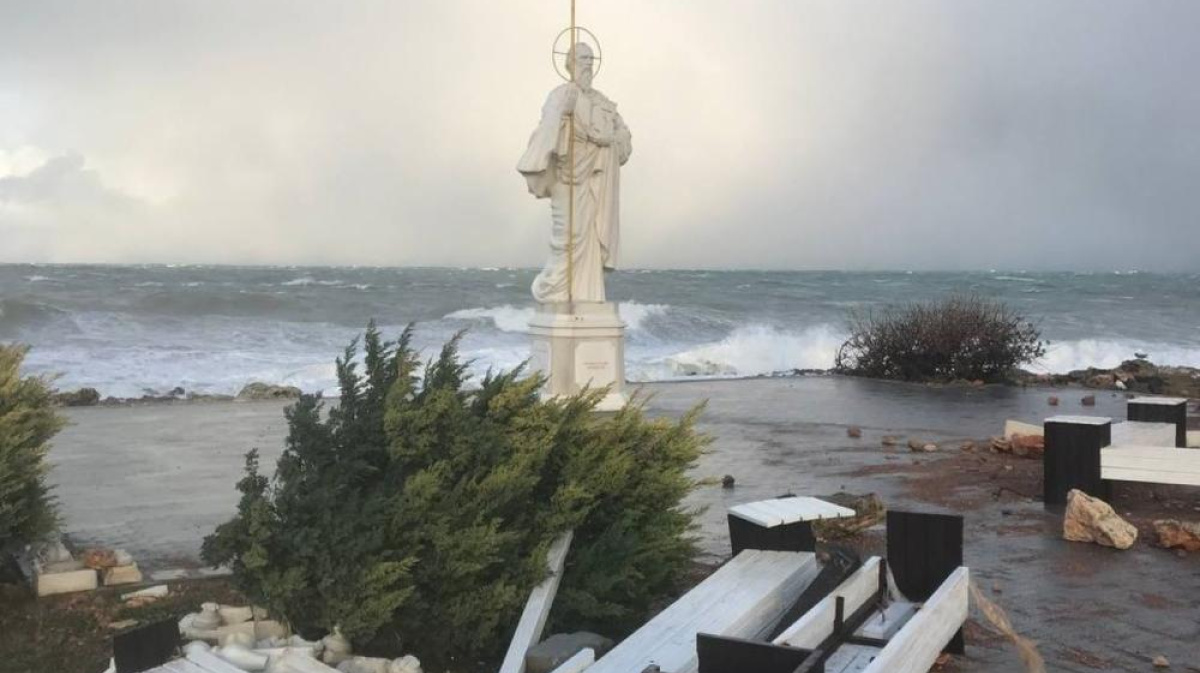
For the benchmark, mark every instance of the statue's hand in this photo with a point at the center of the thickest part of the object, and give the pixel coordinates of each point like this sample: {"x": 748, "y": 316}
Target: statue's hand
{"x": 571, "y": 98}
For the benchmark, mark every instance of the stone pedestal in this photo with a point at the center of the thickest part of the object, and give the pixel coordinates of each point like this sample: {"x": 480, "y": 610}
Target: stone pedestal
{"x": 580, "y": 345}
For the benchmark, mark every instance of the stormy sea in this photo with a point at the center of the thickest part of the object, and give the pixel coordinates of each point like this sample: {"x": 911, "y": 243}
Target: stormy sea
{"x": 130, "y": 331}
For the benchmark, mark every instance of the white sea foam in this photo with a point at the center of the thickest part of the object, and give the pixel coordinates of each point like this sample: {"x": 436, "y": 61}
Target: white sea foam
{"x": 509, "y": 318}
{"x": 505, "y": 318}
{"x": 750, "y": 351}
{"x": 1066, "y": 356}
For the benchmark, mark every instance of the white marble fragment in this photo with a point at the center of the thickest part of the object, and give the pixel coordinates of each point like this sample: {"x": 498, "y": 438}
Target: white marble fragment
{"x": 160, "y": 591}
{"x": 232, "y": 614}
{"x": 242, "y": 657}
{"x": 337, "y": 648}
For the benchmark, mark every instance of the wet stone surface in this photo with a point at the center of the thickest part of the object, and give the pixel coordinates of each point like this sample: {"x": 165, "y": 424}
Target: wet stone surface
{"x": 154, "y": 480}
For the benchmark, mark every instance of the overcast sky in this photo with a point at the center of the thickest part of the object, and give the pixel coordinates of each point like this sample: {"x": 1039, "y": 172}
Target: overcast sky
{"x": 944, "y": 134}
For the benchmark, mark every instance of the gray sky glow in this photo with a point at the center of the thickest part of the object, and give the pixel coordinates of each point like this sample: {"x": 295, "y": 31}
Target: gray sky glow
{"x": 943, "y": 134}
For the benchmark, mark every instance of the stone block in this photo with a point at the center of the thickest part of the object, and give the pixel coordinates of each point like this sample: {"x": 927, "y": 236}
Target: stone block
{"x": 558, "y": 648}
{"x": 128, "y": 574}
{"x": 66, "y": 582}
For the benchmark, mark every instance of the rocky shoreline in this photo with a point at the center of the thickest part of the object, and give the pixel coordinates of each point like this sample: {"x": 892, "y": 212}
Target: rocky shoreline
{"x": 251, "y": 392}
{"x": 1134, "y": 376}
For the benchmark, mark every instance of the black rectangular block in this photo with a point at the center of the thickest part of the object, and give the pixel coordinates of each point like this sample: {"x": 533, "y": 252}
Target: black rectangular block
{"x": 786, "y": 537}
{"x": 145, "y": 647}
{"x": 1146, "y": 411}
{"x": 1072, "y": 458}
{"x": 721, "y": 654}
{"x": 923, "y": 549}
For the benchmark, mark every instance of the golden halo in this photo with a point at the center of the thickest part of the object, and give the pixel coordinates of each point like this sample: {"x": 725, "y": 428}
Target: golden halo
{"x": 590, "y": 40}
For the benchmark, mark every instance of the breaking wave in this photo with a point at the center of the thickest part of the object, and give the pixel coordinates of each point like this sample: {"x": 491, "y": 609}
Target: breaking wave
{"x": 1068, "y": 356}
{"x": 754, "y": 350}
{"x": 509, "y": 318}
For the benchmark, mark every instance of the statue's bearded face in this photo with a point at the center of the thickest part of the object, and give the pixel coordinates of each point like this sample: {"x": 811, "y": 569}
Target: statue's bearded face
{"x": 583, "y": 65}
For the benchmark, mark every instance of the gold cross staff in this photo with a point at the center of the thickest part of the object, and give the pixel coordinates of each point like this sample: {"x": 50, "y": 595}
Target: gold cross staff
{"x": 573, "y": 31}
{"x": 571, "y": 161}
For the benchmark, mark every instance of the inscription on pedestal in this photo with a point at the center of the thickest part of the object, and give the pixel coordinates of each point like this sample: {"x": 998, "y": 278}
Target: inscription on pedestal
{"x": 595, "y": 363}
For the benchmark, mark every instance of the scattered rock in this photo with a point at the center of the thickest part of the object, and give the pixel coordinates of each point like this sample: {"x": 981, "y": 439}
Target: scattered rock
{"x": 967, "y": 446}
{"x": 1091, "y": 519}
{"x": 728, "y": 481}
{"x": 1088, "y": 401}
{"x": 558, "y": 648}
{"x": 854, "y": 432}
{"x": 868, "y": 511}
{"x": 889, "y": 440}
{"x": 917, "y": 446}
{"x": 268, "y": 391}
{"x": 1052, "y": 401}
{"x": 99, "y": 559}
{"x": 84, "y": 397}
{"x": 123, "y": 624}
{"x": 1172, "y": 534}
{"x": 116, "y": 575}
{"x": 1161, "y": 662}
{"x": 1028, "y": 446}
{"x": 1001, "y": 445}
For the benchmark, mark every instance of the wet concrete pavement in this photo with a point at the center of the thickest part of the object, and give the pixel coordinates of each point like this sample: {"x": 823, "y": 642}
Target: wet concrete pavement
{"x": 156, "y": 479}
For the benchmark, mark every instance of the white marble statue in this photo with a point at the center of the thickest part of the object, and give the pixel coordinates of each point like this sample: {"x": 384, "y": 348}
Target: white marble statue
{"x": 602, "y": 146}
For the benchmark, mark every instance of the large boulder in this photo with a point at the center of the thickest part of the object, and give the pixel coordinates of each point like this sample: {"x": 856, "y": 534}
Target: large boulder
{"x": 558, "y": 648}
{"x": 268, "y": 391}
{"x": 1091, "y": 519}
{"x": 1173, "y": 534}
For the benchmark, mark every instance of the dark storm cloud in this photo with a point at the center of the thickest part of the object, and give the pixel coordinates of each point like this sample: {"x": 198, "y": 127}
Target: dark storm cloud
{"x": 841, "y": 133}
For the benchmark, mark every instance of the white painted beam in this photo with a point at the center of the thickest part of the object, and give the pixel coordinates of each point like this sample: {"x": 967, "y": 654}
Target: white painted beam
{"x": 817, "y": 624}
{"x": 537, "y": 608}
{"x": 1151, "y": 464}
{"x": 919, "y": 643}
{"x": 745, "y": 598}
{"x": 582, "y": 659}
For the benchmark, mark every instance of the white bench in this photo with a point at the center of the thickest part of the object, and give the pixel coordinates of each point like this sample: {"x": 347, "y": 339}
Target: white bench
{"x": 1152, "y": 464}
{"x": 780, "y": 523}
{"x": 1086, "y": 452}
{"x": 745, "y": 598}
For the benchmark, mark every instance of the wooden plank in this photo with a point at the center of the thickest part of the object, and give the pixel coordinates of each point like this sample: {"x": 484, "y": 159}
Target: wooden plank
{"x": 851, "y": 659}
{"x": 1151, "y": 464}
{"x": 673, "y": 639}
{"x": 1152, "y": 476}
{"x": 817, "y": 624}
{"x": 779, "y": 511}
{"x": 582, "y": 659}
{"x": 744, "y": 599}
{"x": 756, "y": 513}
{"x": 1143, "y": 434}
{"x": 917, "y": 646}
{"x": 537, "y": 608}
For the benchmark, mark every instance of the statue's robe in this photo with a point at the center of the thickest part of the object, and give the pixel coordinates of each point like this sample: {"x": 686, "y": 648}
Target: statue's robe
{"x": 602, "y": 146}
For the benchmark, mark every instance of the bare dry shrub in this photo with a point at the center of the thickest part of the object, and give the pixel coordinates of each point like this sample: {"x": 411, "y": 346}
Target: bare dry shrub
{"x": 957, "y": 338}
